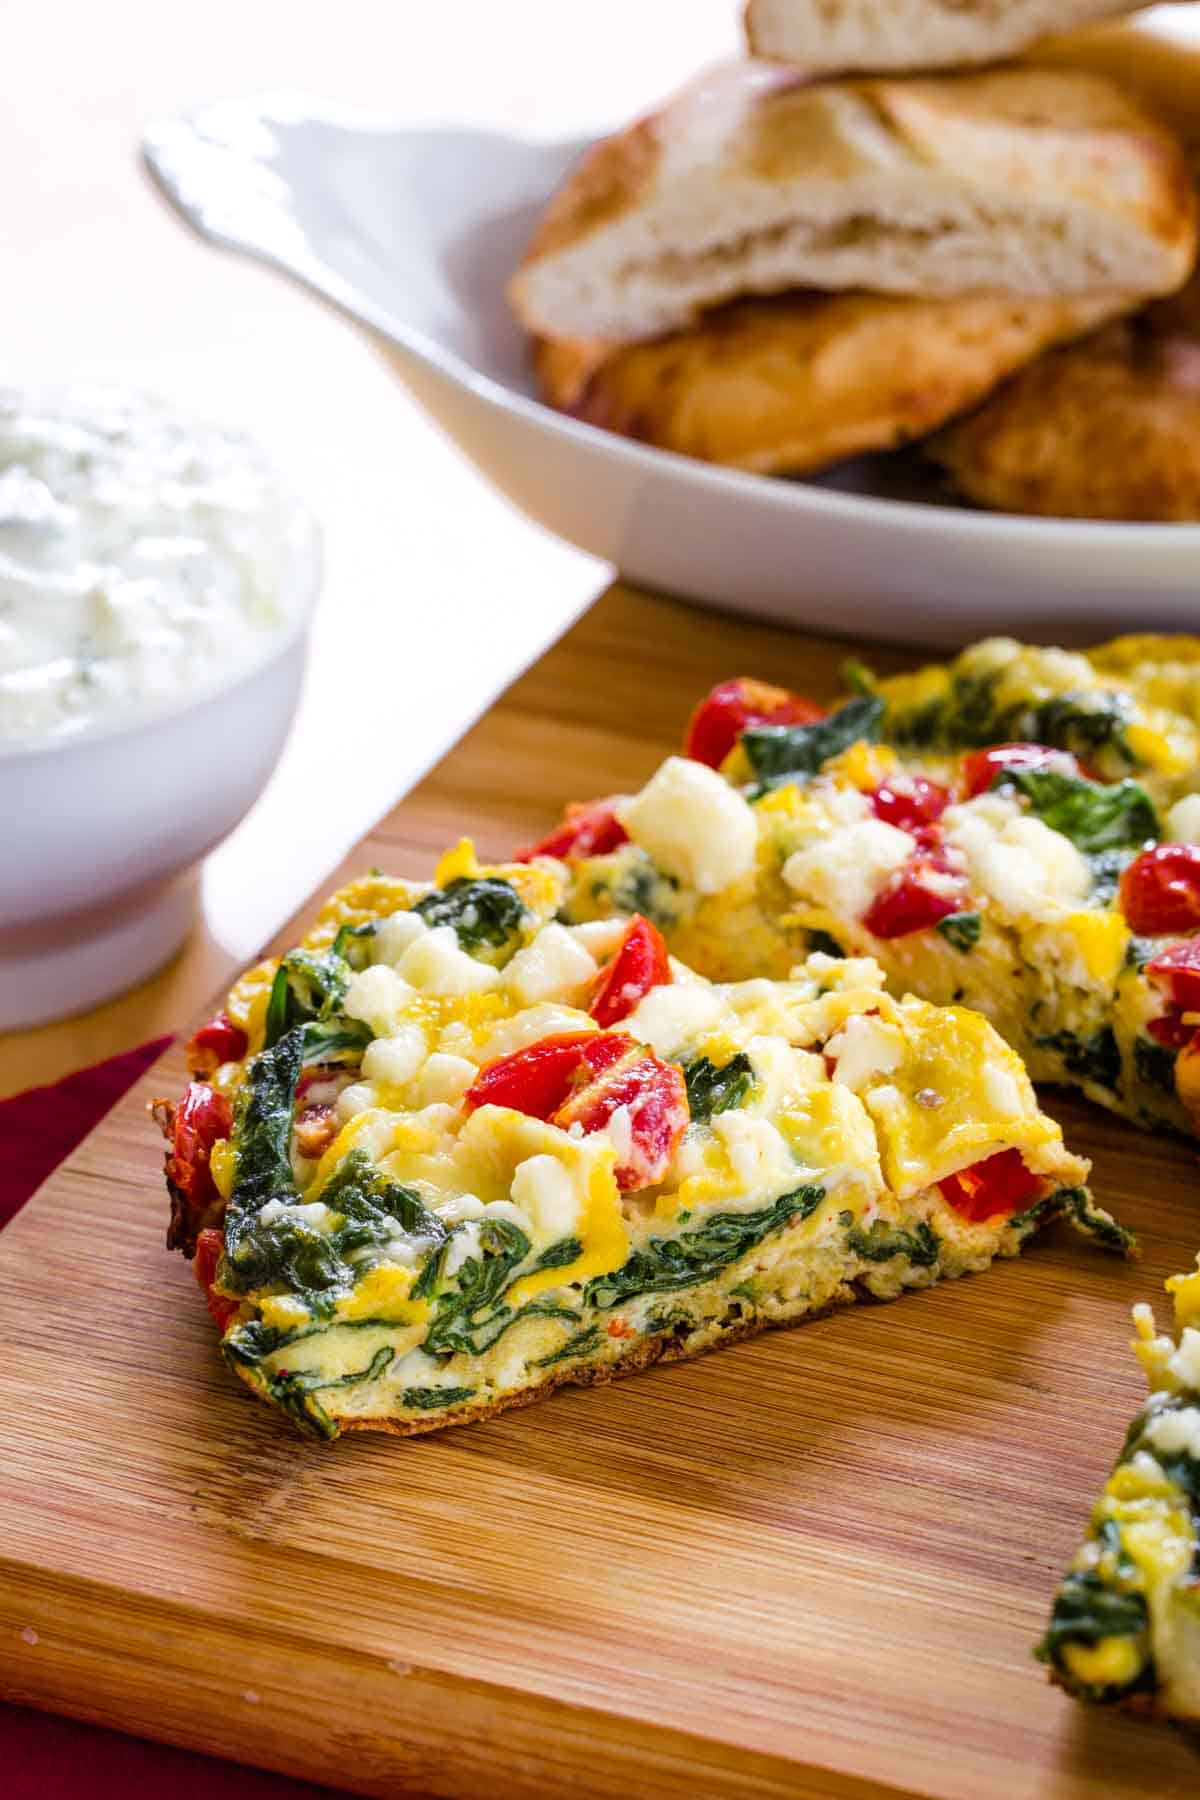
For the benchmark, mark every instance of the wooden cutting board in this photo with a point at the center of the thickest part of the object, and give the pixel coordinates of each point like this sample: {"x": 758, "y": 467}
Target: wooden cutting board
{"x": 813, "y": 1565}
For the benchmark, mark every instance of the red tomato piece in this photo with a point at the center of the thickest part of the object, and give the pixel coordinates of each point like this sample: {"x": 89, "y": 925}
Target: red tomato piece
{"x": 912, "y": 804}
{"x": 220, "y": 1041}
{"x": 200, "y": 1119}
{"x": 640, "y": 963}
{"x": 1177, "y": 971}
{"x": 999, "y": 1185}
{"x": 722, "y": 716}
{"x": 540, "y": 1078}
{"x": 1160, "y": 890}
{"x": 1170, "y": 1030}
{"x": 653, "y": 1095}
{"x": 909, "y": 903}
{"x": 316, "y": 1129}
{"x": 209, "y": 1247}
{"x": 981, "y": 768}
{"x": 591, "y": 828}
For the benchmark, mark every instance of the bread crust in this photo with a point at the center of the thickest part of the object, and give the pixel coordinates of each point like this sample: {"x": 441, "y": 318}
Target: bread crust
{"x": 792, "y": 384}
{"x": 654, "y": 1350}
{"x": 755, "y": 180}
{"x": 1106, "y": 429}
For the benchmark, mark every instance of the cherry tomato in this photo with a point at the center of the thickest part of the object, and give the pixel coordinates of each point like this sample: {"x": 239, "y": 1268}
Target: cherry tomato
{"x": 914, "y": 805}
{"x": 1160, "y": 890}
{"x": 1000, "y": 1185}
{"x": 209, "y": 1246}
{"x": 640, "y": 963}
{"x": 910, "y": 902}
{"x": 588, "y": 829}
{"x": 1170, "y": 1030}
{"x": 201, "y": 1118}
{"x": 1176, "y": 970}
{"x": 220, "y": 1041}
{"x": 538, "y": 1079}
{"x": 981, "y": 768}
{"x": 653, "y": 1095}
{"x": 722, "y": 716}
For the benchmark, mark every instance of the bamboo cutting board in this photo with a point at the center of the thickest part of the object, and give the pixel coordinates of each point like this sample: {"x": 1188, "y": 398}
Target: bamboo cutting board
{"x": 812, "y": 1565}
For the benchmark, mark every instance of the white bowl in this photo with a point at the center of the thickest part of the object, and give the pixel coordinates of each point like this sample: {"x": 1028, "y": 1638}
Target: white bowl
{"x": 103, "y": 830}
{"x": 414, "y": 234}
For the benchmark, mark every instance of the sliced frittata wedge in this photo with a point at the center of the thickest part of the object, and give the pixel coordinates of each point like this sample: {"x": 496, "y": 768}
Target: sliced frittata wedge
{"x": 1125, "y": 1628}
{"x": 449, "y": 1153}
{"x": 1018, "y": 831}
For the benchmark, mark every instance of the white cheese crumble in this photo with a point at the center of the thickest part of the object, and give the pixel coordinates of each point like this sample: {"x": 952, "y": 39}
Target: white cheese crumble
{"x": 1172, "y": 1432}
{"x": 1028, "y": 869}
{"x": 693, "y": 825}
{"x": 394, "y": 934}
{"x": 527, "y": 1027}
{"x": 670, "y": 1018}
{"x": 1001, "y": 1091}
{"x": 462, "y": 1246}
{"x": 434, "y": 963}
{"x": 600, "y": 936}
{"x": 544, "y": 1191}
{"x": 378, "y": 996}
{"x": 359, "y": 1097}
{"x": 397, "y": 1058}
{"x": 555, "y": 966}
{"x": 1185, "y": 1364}
{"x": 315, "y": 1214}
{"x": 761, "y": 1159}
{"x": 1183, "y": 821}
{"x": 863, "y": 1048}
{"x": 445, "y": 1077}
{"x": 844, "y": 871}
{"x": 458, "y": 1208}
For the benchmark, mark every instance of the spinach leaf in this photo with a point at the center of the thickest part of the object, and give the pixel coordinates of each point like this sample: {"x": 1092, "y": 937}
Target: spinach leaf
{"x": 1085, "y": 724}
{"x": 1096, "y": 1058}
{"x": 1086, "y": 1611}
{"x": 1139, "y": 951}
{"x": 822, "y": 943}
{"x": 486, "y": 914}
{"x": 473, "y": 1316}
{"x": 711, "y": 1090}
{"x": 1077, "y": 1205}
{"x": 262, "y": 1132}
{"x": 881, "y": 1242}
{"x": 353, "y": 944}
{"x": 294, "y": 1392}
{"x": 1107, "y": 867}
{"x": 779, "y": 753}
{"x": 1155, "y": 1064}
{"x": 664, "y": 1265}
{"x": 560, "y": 1255}
{"x": 583, "y": 1341}
{"x": 431, "y": 1399}
{"x": 306, "y": 986}
{"x": 1180, "y": 1468}
{"x": 1094, "y": 817}
{"x": 961, "y": 929}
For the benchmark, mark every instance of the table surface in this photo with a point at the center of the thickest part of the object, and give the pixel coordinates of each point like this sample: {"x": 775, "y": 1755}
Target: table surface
{"x": 453, "y": 591}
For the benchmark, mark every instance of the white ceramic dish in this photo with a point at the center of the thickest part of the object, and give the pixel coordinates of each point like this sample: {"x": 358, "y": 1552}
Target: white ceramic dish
{"x": 103, "y": 831}
{"x": 413, "y": 233}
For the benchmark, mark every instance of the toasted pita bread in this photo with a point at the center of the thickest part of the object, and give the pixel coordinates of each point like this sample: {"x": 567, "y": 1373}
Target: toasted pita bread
{"x": 1039, "y": 182}
{"x": 789, "y": 385}
{"x": 837, "y": 36}
{"x": 1107, "y": 429}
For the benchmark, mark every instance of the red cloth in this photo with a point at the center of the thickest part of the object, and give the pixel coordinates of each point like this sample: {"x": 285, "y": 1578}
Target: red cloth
{"x": 41, "y": 1757}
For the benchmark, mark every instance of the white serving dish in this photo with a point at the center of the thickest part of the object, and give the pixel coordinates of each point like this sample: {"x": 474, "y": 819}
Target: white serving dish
{"x": 413, "y": 233}
{"x": 103, "y": 830}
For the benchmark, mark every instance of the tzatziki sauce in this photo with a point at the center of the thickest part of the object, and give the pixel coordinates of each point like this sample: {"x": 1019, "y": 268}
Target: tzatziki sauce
{"x": 144, "y": 559}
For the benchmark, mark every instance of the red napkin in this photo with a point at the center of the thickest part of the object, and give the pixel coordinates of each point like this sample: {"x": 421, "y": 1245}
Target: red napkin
{"x": 45, "y": 1758}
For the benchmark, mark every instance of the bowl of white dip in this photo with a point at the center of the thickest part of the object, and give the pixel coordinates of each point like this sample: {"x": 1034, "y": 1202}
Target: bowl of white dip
{"x": 156, "y": 585}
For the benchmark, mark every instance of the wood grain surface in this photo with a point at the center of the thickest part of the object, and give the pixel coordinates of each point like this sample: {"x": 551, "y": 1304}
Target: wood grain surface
{"x": 812, "y": 1565}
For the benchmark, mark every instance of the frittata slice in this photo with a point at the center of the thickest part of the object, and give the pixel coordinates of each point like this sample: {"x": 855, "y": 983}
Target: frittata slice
{"x": 1125, "y": 1628}
{"x": 450, "y": 1153}
{"x": 1018, "y": 831}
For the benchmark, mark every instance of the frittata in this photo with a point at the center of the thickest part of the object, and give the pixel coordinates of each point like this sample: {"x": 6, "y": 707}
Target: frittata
{"x": 1125, "y": 1627}
{"x": 451, "y": 1152}
{"x": 1018, "y": 831}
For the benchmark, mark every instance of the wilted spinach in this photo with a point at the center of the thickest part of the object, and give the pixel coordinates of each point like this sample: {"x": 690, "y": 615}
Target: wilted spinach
{"x": 961, "y": 929}
{"x": 779, "y": 753}
{"x": 880, "y": 1242}
{"x": 486, "y": 915}
{"x": 1095, "y": 817}
{"x": 713, "y": 1090}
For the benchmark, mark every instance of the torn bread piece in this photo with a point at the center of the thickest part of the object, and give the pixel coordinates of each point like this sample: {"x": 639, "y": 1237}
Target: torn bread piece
{"x": 1036, "y": 182}
{"x": 841, "y": 36}
{"x": 790, "y": 384}
{"x": 450, "y": 1153}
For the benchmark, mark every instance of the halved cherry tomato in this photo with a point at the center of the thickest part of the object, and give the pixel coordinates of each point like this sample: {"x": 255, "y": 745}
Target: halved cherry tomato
{"x": 640, "y": 963}
{"x": 1160, "y": 890}
{"x": 1000, "y": 1185}
{"x": 911, "y": 805}
{"x": 201, "y": 1118}
{"x": 722, "y": 716}
{"x": 1177, "y": 971}
{"x": 220, "y": 1041}
{"x": 981, "y": 768}
{"x": 589, "y": 828}
{"x": 1170, "y": 1030}
{"x": 653, "y": 1095}
{"x": 538, "y": 1079}
{"x": 209, "y": 1247}
{"x": 911, "y": 902}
